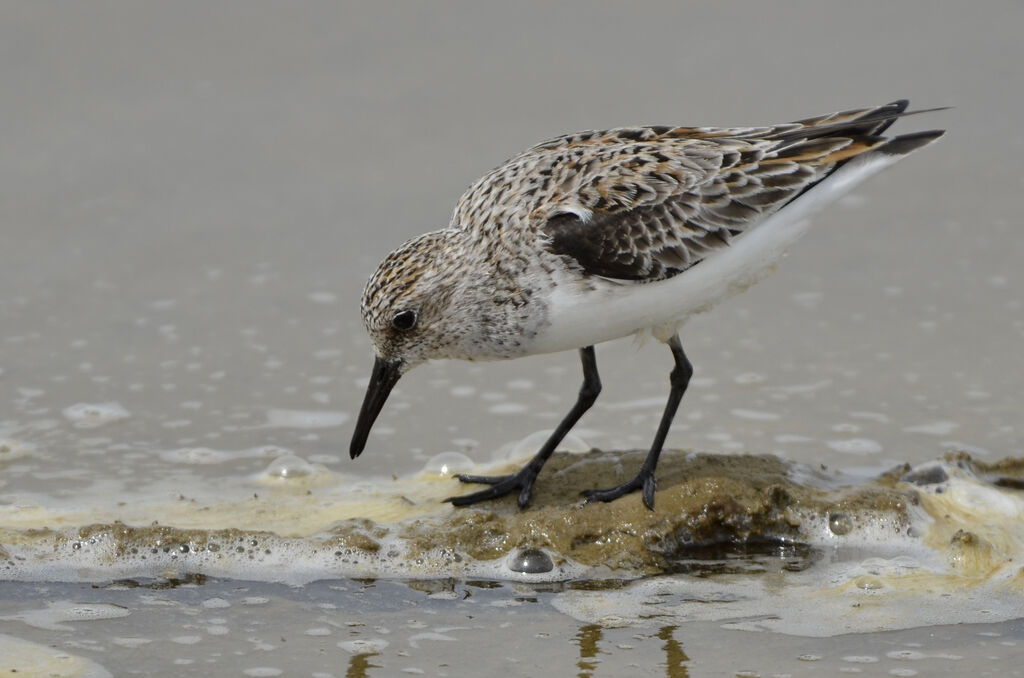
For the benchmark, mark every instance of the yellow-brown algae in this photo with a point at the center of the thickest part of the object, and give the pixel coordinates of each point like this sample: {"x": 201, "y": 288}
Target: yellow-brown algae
{"x": 957, "y": 517}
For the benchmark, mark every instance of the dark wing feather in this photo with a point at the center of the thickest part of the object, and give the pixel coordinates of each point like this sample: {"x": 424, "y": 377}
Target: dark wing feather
{"x": 617, "y": 226}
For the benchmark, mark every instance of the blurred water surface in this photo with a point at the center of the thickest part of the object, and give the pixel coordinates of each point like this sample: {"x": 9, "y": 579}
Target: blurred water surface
{"x": 192, "y": 196}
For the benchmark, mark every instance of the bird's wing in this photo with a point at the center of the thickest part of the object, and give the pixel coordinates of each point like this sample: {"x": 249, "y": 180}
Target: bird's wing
{"x": 645, "y": 204}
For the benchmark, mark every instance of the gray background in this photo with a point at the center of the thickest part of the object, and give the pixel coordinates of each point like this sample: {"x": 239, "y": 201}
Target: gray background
{"x": 191, "y": 197}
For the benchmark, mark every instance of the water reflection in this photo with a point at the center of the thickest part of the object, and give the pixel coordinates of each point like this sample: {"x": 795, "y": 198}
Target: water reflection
{"x": 675, "y": 658}
{"x": 359, "y": 664}
{"x": 589, "y": 637}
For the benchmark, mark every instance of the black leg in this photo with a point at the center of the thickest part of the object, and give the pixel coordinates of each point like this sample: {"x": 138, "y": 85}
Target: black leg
{"x": 644, "y": 480}
{"x": 523, "y": 479}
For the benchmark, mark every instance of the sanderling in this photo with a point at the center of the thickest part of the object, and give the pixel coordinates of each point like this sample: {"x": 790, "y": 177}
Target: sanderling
{"x": 598, "y": 235}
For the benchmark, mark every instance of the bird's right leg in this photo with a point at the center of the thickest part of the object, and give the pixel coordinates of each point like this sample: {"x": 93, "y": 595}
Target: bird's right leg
{"x": 523, "y": 479}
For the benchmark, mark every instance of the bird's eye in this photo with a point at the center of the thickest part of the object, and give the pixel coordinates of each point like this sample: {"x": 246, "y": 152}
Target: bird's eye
{"x": 404, "y": 320}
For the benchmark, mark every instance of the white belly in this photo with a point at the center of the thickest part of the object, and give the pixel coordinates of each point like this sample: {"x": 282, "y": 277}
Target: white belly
{"x": 582, "y": 313}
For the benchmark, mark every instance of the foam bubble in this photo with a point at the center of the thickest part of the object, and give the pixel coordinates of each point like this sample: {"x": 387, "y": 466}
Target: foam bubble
{"x": 520, "y": 384}
{"x": 507, "y": 408}
{"x": 132, "y": 643}
{"x": 755, "y": 415}
{"x": 206, "y": 455}
{"x": 294, "y": 469}
{"x": 530, "y": 561}
{"x": 92, "y": 415}
{"x": 322, "y": 297}
{"x": 25, "y": 658}
{"x": 53, "y": 616}
{"x": 318, "y": 631}
{"x": 840, "y": 524}
{"x": 636, "y": 404}
{"x": 364, "y": 645}
{"x": 855, "y": 446}
{"x": 291, "y": 466}
{"x": 448, "y": 462}
{"x": 933, "y": 428}
{"x": 528, "y": 446}
{"x": 277, "y": 418}
{"x": 11, "y": 449}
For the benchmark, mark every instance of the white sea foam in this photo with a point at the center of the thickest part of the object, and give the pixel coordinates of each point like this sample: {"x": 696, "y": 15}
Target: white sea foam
{"x": 877, "y": 568}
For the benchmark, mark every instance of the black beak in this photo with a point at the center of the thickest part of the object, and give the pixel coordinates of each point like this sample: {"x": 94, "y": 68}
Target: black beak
{"x": 383, "y": 378}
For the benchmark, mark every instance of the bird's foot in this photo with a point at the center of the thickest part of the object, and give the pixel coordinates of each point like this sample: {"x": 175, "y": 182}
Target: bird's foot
{"x": 522, "y": 481}
{"x": 643, "y": 481}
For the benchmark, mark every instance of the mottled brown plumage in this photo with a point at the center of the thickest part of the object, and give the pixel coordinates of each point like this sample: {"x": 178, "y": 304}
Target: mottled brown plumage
{"x": 646, "y": 203}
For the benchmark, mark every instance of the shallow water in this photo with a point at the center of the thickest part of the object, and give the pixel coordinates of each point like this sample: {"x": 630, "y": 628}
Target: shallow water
{"x": 349, "y": 628}
{"x": 191, "y": 199}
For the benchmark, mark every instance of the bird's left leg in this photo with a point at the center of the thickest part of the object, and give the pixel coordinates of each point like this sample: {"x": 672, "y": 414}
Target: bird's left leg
{"x": 522, "y": 480}
{"x": 644, "y": 480}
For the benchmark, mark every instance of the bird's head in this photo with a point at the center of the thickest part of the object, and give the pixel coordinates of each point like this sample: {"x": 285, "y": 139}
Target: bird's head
{"x": 406, "y": 307}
